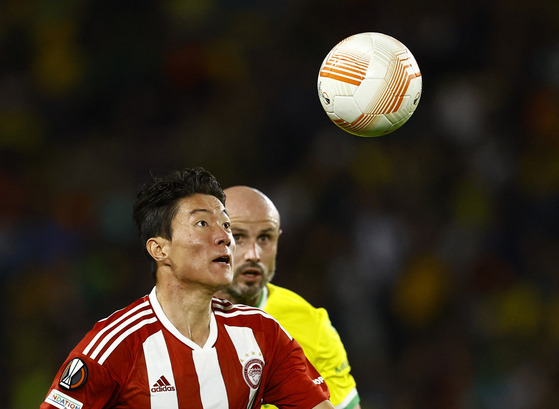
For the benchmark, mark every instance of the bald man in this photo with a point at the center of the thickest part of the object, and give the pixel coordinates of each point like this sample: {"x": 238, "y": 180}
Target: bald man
{"x": 255, "y": 224}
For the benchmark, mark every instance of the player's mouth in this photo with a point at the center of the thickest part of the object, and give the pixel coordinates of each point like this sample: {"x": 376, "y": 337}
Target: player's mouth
{"x": 225, "y": 259}
{"x": 251, "y": 273}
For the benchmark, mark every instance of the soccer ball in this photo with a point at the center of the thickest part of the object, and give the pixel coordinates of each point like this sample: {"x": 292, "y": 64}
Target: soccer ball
{"x": 369, "y": 84}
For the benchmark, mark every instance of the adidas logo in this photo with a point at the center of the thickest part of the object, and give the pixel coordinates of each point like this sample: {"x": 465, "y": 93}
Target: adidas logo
{"x": 162, "y": 385}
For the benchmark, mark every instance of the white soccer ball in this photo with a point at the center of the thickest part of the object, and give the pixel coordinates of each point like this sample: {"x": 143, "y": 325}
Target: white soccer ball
{"x": 369, "y": 84}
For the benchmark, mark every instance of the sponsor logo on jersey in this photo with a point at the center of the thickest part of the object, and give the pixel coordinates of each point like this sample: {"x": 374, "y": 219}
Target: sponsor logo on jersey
{"x": 62, "y": 401}
{"x": 162, "y": 385}
{"x": 74, "y": 375}
{"x": 252, "y": 372}
{"x": 343, "y": 366}
{"x": 318, "y": 380}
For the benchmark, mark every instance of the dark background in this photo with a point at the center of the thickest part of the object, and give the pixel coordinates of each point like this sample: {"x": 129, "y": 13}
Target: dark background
{"x": 435, "y": 249}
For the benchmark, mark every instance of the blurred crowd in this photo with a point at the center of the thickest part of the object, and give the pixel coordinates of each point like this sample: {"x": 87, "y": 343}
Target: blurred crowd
{"x": 435, "y": 249}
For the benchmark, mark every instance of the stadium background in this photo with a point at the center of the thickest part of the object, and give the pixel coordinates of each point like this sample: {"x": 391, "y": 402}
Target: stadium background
{"x": 435, "y": 249}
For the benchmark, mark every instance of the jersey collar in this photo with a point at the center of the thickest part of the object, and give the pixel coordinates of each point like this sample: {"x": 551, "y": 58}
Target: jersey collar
{"x": 212, "y": 338}
{"x": 263, "y": 298}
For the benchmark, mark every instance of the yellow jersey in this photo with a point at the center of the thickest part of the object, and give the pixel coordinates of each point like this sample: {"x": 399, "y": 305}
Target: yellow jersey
{"x": 311, "y": 327}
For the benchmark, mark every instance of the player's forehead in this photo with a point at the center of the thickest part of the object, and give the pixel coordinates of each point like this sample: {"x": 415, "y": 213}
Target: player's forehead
{"x": 199, "y": 204}
{"x": 254, "y": 219}
{"x": 248, "y": 205}
{"x": 255, "y": 226}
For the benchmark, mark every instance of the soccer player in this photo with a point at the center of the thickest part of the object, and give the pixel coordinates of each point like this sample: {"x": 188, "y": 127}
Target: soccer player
{"x": 255, "y": 223}
{"x": 179, "y": 347}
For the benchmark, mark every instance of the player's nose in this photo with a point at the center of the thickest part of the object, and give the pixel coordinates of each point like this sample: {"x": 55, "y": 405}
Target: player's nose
{"x": 253, "y": 252}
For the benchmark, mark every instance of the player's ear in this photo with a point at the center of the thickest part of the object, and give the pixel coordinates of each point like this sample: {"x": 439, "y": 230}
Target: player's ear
{"x": 280, "y": 231}
{"x": 157, "y": 248}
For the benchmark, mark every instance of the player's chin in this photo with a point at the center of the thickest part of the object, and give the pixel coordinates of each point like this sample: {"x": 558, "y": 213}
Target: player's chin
{"x": 251, "y": 289}
{"x": 228, "y": 276}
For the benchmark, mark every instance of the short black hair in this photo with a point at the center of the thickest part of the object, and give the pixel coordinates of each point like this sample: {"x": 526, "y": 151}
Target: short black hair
{"x": 157, "y": 202}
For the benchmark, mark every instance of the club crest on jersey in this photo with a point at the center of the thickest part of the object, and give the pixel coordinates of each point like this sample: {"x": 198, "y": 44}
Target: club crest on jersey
{"x": 252, "y": 372}
{"x": 74, "y": 375}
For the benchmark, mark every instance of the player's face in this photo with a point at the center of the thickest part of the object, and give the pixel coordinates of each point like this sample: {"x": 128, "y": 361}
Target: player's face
{"x": 201, "y": 249}
{"x": 256, "y": 236}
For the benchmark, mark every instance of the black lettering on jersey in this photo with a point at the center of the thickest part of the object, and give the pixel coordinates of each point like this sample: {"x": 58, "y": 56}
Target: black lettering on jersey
{"x": 74, "y": 375}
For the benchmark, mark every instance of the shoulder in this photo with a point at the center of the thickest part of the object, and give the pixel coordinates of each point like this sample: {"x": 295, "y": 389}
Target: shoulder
{"x": 138, "y": 306}
{"x": 245, "y": 316}
{"x": 282, "y": 301}
{"x": 309, "y": 325}
{"x": 124, "y": 327}
{"x": 227, "y": 310}
{"x": 275, "y": 291}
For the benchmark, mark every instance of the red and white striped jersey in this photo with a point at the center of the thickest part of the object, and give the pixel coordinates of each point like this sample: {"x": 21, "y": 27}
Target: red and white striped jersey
{"x": 137, "y": 359}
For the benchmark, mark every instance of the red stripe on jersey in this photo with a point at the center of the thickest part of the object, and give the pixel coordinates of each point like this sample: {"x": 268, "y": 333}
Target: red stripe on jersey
{"x": 117, "y": 327}
{"x": 133, "y": 355}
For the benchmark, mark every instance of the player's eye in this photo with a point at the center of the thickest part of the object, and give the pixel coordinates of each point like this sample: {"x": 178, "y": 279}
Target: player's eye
{"x": 202, "y": 223}
{"x": 238, "y": 237}
{"x": 227, "y": 226}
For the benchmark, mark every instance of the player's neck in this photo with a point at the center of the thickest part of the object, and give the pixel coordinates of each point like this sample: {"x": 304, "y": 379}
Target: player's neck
{"x": 258, "y": 300}
{"x": 252, "y": 301}
{"x": 238, "y": 298}
{"x": 188, "y": 312}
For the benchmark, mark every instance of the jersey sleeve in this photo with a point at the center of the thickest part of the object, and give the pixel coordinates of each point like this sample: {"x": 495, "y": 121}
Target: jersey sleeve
{"x": 294, "y": 382}
{"x": 81, "y": 383}
{"x": 332, "y": 363}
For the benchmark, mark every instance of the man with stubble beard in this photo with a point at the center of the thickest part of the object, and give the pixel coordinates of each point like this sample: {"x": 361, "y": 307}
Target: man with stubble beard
{"x": 255, "y": 224}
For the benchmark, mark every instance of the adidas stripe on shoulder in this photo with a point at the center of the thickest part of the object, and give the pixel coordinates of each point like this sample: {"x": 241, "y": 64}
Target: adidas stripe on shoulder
{"x": 117, "y": 328}
{"x": 226, "y": 309}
